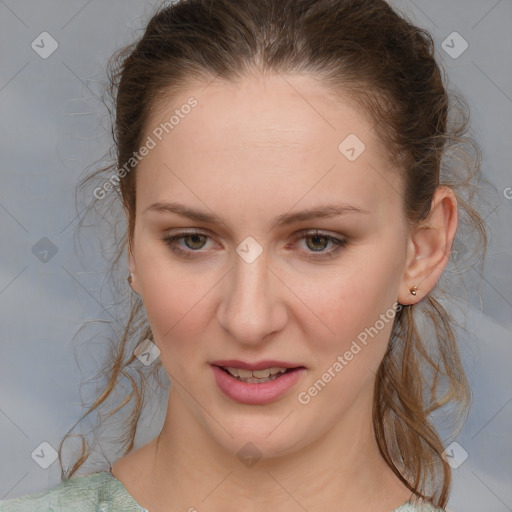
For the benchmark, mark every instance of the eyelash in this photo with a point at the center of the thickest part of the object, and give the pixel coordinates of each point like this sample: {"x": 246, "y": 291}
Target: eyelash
{"x": 339, "y": 243}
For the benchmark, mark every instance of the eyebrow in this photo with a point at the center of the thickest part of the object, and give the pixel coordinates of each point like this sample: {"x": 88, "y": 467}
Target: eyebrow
{"x": 325, "y": 211}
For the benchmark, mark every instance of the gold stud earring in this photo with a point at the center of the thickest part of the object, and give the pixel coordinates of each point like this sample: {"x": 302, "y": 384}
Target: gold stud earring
{"x": 414, "y": 289}
{"x": 129, "y": 278}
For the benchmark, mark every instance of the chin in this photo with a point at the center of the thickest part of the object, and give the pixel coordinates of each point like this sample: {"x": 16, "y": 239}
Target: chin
{"x": 260, "y": 438}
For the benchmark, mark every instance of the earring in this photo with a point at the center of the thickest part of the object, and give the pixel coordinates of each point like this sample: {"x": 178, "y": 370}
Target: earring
{"x": 129, "y": 278}
{"x": 414, "y": 289}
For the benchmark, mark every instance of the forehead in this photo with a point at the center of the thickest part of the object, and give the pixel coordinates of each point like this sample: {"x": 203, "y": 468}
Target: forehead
{"x": 263, "y": 135}
{"x": 292, "y": 109}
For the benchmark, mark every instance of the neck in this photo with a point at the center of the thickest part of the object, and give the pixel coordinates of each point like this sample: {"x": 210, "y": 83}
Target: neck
{"x": 184, "y": 470}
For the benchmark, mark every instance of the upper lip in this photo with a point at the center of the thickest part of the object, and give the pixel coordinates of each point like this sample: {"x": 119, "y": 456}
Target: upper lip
{"x": 258, "y": 365}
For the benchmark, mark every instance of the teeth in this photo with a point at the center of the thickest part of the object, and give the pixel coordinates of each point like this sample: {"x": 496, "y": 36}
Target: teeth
{"x": 261, "y": 373}
{"x": 233, "y": 371}
{"x": 245, "y": 374}
{"x": 256, "y": 375}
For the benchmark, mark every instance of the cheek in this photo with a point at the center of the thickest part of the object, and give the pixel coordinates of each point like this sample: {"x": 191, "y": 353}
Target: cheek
{"x": 347, "y": 359}
{"x": 175, "y": 303}
{"x": 353, "y": 308}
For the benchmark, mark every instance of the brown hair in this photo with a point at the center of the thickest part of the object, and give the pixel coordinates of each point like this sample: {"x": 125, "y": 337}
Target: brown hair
{"x": 386, "y": 64}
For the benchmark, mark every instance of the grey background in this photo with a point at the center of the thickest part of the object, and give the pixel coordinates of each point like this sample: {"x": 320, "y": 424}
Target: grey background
{"x": 53, "y": 127}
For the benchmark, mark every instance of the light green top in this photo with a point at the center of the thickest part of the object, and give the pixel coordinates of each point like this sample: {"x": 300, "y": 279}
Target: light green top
{"x": 103, "y": 492}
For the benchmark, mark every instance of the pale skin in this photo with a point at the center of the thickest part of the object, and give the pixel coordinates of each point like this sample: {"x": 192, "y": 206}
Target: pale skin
{"x": 246, "y": 154}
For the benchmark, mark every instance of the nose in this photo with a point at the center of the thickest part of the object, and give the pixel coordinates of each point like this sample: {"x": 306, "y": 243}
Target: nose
{"x": 252, "y": 305}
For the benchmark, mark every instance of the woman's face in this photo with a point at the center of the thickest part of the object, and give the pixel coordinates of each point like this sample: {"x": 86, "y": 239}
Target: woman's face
{"x": 258, "y": 163}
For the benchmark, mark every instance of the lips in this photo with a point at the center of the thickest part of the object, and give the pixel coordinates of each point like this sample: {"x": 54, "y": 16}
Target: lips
{"x": 258, "y": 365}
{"x": 251, "y": 372}
{"x": 252, "y": 390}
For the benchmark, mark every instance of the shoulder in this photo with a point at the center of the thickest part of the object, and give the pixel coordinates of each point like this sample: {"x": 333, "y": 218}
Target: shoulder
{"x": 412, "y": 507}
{"x": 88, "y": 493}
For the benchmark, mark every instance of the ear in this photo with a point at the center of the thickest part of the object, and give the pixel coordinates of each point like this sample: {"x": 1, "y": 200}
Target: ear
{"x": 429, "y": 247}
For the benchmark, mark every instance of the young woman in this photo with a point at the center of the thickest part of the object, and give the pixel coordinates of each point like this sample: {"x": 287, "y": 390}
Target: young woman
{"x": 281, "y": 164}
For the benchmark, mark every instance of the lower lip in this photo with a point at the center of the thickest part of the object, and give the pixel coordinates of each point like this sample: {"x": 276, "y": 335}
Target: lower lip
{"x": 254, "y": 393}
